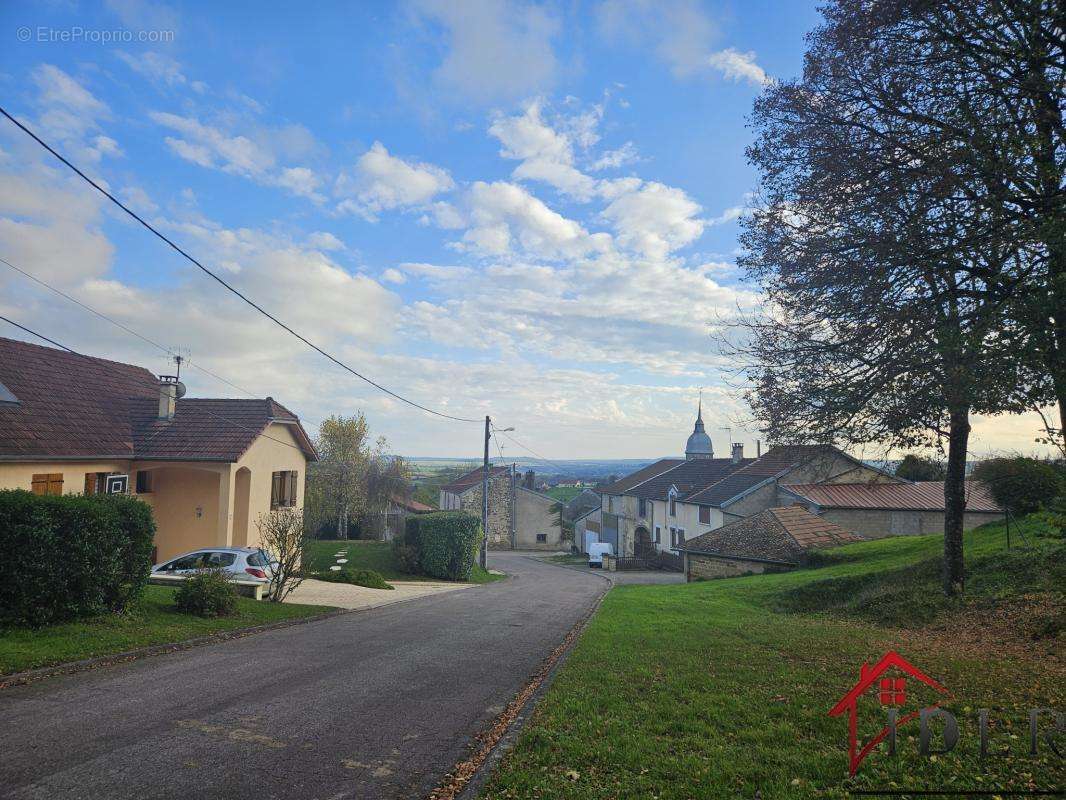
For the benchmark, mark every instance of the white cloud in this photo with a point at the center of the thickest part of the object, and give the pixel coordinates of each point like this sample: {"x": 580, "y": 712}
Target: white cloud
{"x": 71, "y": 116}
{"x": 738, "y": 66}
{"x": 393, "y": 275}
{"x": 496, "y": 49}
{"x": 614, "y": 159}
{"x": 381, "y": 181}
{"x": 655, "y": 219}
{"x": 160, "y": 69}
{"x": 323, "y": 240}
{"x": 679, "y": 31}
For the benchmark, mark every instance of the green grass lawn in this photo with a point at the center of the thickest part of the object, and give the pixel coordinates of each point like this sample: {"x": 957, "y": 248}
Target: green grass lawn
{"x": 152, "y": 620}
{"x": 378, "y": 556}
{"x": 715, "y": 690}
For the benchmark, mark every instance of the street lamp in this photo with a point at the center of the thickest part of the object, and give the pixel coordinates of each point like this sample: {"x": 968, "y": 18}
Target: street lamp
{"x": 483, "y": 557}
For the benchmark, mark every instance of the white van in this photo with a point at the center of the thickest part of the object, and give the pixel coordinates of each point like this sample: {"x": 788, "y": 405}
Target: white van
{"x": 597, "y": 551}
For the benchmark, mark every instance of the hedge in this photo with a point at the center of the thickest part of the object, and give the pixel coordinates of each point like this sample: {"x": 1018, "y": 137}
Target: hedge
{"x": 446, "y": 543}
{"x": 71, "y": 556}
{"x": 1020, "y": 485}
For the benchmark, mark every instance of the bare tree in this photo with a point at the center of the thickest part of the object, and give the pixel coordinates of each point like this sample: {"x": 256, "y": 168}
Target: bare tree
{"x": 284, "y": 536}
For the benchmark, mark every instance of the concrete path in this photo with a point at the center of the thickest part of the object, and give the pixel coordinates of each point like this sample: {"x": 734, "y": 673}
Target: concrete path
{"x": 374, "y": 704}
{"x": 344, "y": 595}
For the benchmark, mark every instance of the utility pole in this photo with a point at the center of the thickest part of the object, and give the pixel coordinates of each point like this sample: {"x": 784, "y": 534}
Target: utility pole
{"x": 483, "y": 558}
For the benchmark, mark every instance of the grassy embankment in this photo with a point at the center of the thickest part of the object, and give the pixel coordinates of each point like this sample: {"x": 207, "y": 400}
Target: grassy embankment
{"x": 378, "y": 556}
{"x": 720, "y": 689}
{"x": 152, "y": 620}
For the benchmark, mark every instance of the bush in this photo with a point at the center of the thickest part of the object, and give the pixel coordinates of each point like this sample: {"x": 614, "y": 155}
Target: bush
{"x": 67, "y": 557}
{"x": 359, "y": 577}
{"x": 207, "y": 594}
{"x": 447, "y": 543}
{"x": 1020, "y": 485}
{"x": 918, "y": 468}
{"x": 406, "y": 547}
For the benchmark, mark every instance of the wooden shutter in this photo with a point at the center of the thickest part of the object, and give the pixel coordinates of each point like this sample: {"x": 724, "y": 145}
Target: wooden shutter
{"x": 49, "y": 483}
{"x": 90, "y": 482}
{"x": 291, "y": 495}
{"x": 275, "y": 490}
{"x": 705, "y": 514}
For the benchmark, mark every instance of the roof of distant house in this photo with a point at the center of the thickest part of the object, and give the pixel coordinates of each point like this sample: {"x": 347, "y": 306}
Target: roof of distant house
{"x": 580, "y": 504}
{"x": 410, "y": 504}
{"x": 75, "y": 406}
{"x": 623, "y": 485}
{"x": 473, "y": 478}
{"x": 920, "y": 496}
{"x": 782, "y": 535}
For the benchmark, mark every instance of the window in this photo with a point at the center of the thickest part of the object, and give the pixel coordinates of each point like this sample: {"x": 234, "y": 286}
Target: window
{"x": 95, "y": 482}
{"x": 283, "y": 489}
{"x": 893, "y": 691}
{"x": 673, "y": 507}
{"x": 705, "y": 515}
{"x": 191, "y": 561}
{"x": 542, "y": 537}
{"x": 258, "y": 559}
{"x": 673, "y": 537}
{"x": 658, "y": 534}
{"x": 642, "y": 507}
{"x": 680, "y": 536}
{"x": 219, "y": 560}
{"x": 47, "y": 483}
{"x": 144, "y": 481}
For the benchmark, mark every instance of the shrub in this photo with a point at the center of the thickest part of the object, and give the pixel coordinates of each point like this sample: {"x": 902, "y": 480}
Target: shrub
{"x": 406, "y": 547}
{"x": 207, "y": 594}
{"x": 448, "y": 543}
{"x": 1020, "y": 485}
{"x": 68, "y": 557}
{"x": 359, "y": 577}
{"x": 918, "y": 468}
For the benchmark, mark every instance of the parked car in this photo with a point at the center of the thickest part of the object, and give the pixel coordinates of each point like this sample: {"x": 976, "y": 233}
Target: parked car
{"x": 246, "y": 563}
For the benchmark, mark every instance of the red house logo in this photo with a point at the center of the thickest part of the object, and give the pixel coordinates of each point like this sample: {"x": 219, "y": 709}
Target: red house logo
{"x": 891, "y": 692}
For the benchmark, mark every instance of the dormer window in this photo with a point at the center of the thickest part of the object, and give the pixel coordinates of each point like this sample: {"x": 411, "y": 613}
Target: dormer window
{"x": 672, "y": 496}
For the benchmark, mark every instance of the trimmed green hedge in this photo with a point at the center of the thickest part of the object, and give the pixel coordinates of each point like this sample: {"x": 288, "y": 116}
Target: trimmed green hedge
{"x": 369, "y": 578}
{"x": 446, "y": 543}
{"x": 65, "y": 557}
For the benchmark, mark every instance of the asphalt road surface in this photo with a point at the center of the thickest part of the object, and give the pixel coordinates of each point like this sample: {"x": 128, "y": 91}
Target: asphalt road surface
{"x": 375, "y": 704}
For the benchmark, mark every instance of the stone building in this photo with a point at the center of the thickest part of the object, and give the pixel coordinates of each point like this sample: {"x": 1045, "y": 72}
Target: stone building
{"x": 520, "y": 518}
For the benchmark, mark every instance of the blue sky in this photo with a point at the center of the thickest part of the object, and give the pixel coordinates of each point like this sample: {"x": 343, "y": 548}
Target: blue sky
{"x": 528, "y": 210}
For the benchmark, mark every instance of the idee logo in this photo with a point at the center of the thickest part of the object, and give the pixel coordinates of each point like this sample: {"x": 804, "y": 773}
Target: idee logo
{"x": 888, "y": 680}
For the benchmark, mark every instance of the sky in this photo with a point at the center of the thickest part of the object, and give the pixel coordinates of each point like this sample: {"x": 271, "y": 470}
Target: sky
{"x": 527, "y": 210}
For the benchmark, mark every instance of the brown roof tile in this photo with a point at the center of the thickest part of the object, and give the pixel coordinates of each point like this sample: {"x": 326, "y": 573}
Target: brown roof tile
{"x": 472, "y": 479}
{"x": 75, "y": 406}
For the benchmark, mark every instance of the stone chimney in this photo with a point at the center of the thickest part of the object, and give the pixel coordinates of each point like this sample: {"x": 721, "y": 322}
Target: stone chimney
{"x": 738, "y": 452}
{"x": 529, "y": 480}
{"x": 168, "y": 396}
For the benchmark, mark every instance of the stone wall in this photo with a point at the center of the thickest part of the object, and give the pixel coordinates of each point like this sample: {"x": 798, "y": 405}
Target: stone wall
{"x": 701, "y": 567}
{"x": 500, "y": 510}
{"x": 533, "y": 517}
{"x": 878, "y": 524}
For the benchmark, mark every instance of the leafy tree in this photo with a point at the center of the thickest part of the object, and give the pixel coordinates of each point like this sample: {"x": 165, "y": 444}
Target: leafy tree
{"x": 890, "y": 274}
{"x": 920, "y": 468}
{"x": 1020, "y": 485}
{"x": 340, "y": 476}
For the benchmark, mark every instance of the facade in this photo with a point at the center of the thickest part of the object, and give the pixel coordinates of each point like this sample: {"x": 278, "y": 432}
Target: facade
{"x": 520, "y": 518}
{"x": 776, "y": 539}
{"x": 587, "y": 523}
{"x": 208, "y": 467}
{"x": 902, "y": 509}
{"x": 661, "y": 506}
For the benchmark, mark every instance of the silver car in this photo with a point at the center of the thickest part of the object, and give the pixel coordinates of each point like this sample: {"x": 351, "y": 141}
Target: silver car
{"x": 244, "y": 563}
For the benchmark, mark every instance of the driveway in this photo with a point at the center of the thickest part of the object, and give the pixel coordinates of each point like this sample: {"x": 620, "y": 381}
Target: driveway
{"x": 345, "y": 595}
{"x": 373, "y": 704}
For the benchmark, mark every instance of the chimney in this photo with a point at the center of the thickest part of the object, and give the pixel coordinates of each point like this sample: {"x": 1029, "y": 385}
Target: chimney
{"x": 738, "y": 452}
{"x": 168, "y": 396}
{"x": 529, "y": 479}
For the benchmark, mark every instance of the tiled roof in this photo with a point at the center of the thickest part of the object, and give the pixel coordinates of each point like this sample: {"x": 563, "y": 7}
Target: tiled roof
{"x": 776, "y": 534}
{"x": 580, "y": 504}
{"x": 472, "y": 479}
{"x": 690, "y": 477}
{"x": 74, "y": 406}
{"x": 410, "y": 504}
{"x": 920, "y": 496}
{"x": 623, "y": 485}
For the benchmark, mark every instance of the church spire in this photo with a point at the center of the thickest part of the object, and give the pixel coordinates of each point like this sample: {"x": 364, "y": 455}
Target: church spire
{"x": 699, "y": 443}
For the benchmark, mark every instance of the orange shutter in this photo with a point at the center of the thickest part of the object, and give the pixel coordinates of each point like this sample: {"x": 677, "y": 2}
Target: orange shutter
{"x": 292, "y": 489}
{"x": 40, "y": 484}
{"x": 50, "y": 483}
{"x": 90, "y": 482}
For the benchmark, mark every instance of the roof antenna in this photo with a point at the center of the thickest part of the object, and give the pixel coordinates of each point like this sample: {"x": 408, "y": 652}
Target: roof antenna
{"x": 730, "y": 435}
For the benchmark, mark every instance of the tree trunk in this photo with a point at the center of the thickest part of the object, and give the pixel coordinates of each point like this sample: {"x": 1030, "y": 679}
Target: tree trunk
{"x": 955, "y": 498}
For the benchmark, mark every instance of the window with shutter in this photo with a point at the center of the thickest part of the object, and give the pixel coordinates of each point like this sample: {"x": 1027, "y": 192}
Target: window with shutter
{"x": 291, "y": 496}
{"x": 705, "y": 515}
{"x": 47, "y": 483}
{"x": 275, "y": 490}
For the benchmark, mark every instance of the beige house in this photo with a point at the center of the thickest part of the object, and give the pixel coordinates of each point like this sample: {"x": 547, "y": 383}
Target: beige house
{"x": 209, "y": 468}
{"x": 520, "y": 518}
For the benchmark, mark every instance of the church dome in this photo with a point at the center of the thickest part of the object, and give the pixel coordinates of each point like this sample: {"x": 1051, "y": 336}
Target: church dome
{"x": 699, "y": 443}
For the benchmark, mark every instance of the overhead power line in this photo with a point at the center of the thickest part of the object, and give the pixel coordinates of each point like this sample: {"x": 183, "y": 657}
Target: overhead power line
{"x": 118, "y": 324}
{"x": 226, "y": 285}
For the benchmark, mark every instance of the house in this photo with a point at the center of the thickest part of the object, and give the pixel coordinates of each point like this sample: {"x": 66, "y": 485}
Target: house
{"x": 208, "y": 467}
{"x": 777, "y": 538}
{"x": 520, "y": 517}
{"x": 397, "y": 511}
{"x": 583, "y": 513}
{"x": 895, "y": 509}
{"x": 579, "y": 504}
{"x": 662, "y": 505}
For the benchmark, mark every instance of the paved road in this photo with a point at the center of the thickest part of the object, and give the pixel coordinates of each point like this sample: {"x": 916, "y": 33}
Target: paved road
{"x": 375, "y": 704}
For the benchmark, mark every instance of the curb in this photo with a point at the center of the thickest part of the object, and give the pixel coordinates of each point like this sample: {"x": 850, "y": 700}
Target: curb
{"x": 84, "y": 665}
{"x": 467, "y": 778}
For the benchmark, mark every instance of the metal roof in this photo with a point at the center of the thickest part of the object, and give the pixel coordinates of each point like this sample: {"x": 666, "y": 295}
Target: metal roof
{"x": 920, "y": 496}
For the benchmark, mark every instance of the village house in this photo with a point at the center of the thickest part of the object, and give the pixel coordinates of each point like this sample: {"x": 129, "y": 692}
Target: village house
{"x": 659, "y": 507}
{"x": 209, "y": 468}
{"x": 520, "y": 517}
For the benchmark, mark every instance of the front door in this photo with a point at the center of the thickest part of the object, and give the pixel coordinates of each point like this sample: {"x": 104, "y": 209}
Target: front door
{"x": 642, "y": 545}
